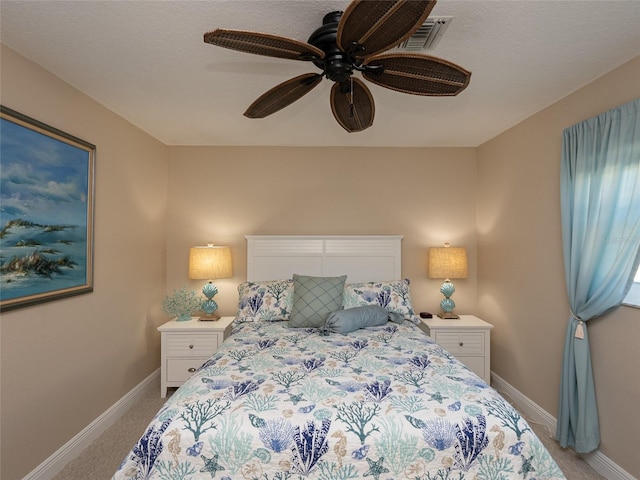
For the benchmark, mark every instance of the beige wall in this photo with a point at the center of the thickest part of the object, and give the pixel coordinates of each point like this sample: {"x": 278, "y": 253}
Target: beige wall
{"x": 65, "y": 362}
{"x": 222, "y": 194}
{"x": 145, "y": 225}
{"x": 521, "y": 273}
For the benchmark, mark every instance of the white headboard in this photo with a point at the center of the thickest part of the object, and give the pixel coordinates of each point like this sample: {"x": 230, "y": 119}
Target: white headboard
{"x": 363, "y": 258}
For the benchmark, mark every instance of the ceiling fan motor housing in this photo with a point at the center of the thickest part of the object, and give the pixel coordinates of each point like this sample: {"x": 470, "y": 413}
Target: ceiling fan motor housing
{"x": 337, "y": 66}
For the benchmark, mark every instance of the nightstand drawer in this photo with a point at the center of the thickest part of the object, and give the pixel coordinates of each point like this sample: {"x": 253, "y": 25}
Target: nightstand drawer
{"x": 468, "y": 339}
{"x": 202, "y": 344}
{"x": 476, "y": 364}
{"x": 463, "y": 343}
{"x": 186, "y": 346}
{"x": 180, "y": 369}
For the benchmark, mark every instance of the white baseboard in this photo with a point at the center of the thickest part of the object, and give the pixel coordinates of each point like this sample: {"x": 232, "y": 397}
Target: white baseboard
{"x": 70, "y": 450}
{"x": 531, "y": 410}
{"x": 525, "y": 405}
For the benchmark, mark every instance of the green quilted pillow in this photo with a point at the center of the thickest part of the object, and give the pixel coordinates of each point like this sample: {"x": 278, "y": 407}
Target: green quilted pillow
{"x": 314, "y": 298}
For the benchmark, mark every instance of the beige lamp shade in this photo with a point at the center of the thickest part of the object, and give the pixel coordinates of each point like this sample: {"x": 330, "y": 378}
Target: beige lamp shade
{"x": 448, "y": 262}
{"x": 210, "y": 262}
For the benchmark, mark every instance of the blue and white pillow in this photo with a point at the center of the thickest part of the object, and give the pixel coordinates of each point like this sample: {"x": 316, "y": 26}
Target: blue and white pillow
{"x": 269, "y": 301}
{"x": 393, "y": 296}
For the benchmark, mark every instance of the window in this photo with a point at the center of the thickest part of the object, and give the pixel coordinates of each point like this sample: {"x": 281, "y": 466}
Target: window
{"x": 633, "y": 297}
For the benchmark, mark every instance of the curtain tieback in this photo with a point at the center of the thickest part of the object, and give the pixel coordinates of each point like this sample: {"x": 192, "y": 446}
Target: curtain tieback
{"x": 580, "y": 328}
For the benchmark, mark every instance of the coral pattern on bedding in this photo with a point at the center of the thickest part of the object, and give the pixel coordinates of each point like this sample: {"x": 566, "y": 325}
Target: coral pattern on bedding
{"x": 382, "y": 402}
{"x": 269, "y": 301}
{"x": 394, "y": 296}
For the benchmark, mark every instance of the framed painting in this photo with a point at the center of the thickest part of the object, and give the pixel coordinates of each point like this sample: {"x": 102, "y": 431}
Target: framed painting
{"x": 46, "y": 212}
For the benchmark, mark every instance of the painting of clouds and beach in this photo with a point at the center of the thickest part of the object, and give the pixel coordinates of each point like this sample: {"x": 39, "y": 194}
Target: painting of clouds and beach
{"x": 45, "y": 213}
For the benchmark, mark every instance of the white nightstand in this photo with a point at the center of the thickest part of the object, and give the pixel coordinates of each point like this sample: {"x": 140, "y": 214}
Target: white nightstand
{"x": 186, "y": 346}
{"x": 467, "y": 338}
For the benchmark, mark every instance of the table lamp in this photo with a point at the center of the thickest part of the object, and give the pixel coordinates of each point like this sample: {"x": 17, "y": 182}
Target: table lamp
{"x": 448, "y": 262}
{"x": 210, "y": 262}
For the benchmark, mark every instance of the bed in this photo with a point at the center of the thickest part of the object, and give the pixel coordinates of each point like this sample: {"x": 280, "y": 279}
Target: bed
{"x": 365, "y": 394}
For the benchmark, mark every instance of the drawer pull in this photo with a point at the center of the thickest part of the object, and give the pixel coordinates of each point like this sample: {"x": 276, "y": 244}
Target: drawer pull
{"x": 461, "y": 344}
{"x": 191, "y": 346}
{"x": 191, "y": 370}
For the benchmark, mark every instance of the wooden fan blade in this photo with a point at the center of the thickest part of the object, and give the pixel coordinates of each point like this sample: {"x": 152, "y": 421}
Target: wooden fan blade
{"x": 417, "y": 74}
{"x": 283, "y": 95}
{"x": 378, "y": 25}
{"x": 352, "y": 105}
{"x": 263, "y": 44}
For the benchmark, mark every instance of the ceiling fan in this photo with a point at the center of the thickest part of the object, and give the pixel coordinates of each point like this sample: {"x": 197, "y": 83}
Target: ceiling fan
{"x": 349, "y": 41}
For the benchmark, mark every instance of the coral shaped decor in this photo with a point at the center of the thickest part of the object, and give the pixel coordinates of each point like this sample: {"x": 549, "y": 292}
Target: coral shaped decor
{"x": 182, "y": 304}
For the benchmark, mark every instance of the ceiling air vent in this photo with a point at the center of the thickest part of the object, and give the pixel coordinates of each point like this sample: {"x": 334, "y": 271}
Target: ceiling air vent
{"x": 427, "y": 36}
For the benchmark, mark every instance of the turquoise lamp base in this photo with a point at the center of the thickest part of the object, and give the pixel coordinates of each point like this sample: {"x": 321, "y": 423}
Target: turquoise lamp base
{"x": 447, "y": 304}
{"x": 209, "y": 306}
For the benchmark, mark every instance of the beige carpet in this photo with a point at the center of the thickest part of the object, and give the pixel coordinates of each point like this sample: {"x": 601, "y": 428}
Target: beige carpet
{"x": 571, "y": 464}
{"x": 101, "y": 459}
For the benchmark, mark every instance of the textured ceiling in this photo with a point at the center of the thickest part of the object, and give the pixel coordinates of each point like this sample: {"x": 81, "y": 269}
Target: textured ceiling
{"x": 146, "y": 61}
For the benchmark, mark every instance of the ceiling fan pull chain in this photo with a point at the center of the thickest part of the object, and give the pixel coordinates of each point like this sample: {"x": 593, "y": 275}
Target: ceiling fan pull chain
{"x": 351, "y": 104}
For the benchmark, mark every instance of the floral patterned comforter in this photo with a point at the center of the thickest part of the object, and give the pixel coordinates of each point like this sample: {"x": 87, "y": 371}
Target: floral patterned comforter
{"x": 385, "y": 402}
